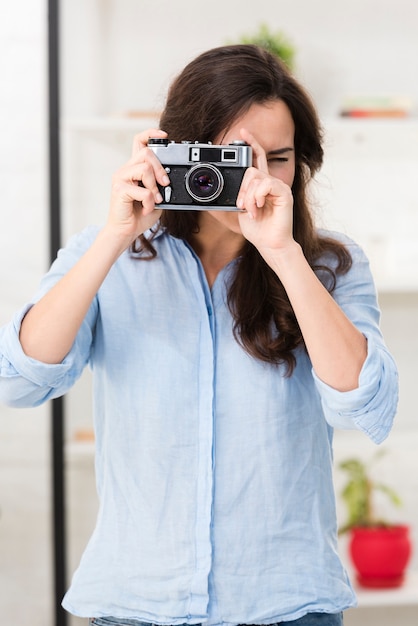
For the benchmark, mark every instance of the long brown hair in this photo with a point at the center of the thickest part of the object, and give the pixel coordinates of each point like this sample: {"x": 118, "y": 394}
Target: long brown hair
{"x": 212, "y": 92}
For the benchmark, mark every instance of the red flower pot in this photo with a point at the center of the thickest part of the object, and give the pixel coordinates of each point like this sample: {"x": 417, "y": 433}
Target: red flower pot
{"x": 380, "y": 555}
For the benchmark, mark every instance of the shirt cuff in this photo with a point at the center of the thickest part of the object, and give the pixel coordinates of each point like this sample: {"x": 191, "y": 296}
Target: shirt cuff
{"x": 19, "y": 363}
{"x": 372, "y": 405}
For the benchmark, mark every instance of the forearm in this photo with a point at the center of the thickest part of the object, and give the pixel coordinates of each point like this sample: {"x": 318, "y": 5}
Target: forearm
{"x": 336, "y": 347}
{"x": 49, "y": 329}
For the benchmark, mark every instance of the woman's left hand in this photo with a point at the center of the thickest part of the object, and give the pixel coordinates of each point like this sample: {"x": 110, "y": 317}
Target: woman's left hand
{"x": 337, "y": 349}
{"x": 267, "y": 221}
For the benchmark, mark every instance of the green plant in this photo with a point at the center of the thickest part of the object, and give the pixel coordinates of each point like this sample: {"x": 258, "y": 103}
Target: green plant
{"x": 358, "y": 494}
{"x": 276, "y": 42}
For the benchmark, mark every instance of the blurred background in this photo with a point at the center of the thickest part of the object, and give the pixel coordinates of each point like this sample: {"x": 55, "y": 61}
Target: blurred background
{"x": 117, "y": 58}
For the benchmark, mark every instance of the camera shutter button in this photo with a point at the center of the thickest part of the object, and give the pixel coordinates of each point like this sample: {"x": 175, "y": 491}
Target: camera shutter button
{"x": 167, "y": 194}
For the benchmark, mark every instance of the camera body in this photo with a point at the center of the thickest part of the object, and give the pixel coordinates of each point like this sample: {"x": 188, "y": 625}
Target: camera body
{"x": 202, "y": 176}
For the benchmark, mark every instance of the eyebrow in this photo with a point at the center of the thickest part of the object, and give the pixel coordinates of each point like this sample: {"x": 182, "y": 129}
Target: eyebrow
{"x": 280, "y": 151}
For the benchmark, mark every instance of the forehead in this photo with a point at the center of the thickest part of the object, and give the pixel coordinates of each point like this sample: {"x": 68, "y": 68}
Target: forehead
{"x": 271, "y": 123}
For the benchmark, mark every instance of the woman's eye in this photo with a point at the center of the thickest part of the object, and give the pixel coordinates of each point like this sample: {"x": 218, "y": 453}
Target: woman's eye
{"x": 277, "y": 161}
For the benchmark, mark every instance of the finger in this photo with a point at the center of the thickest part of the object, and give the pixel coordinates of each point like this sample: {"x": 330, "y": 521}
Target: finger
{"x": 140, "y": 197}
{"x": 141, "y": 174}
{"x": 250, "y": 175}
{"x": 137, "y": 182}
{"x": 146, "y": 157}
{"x": 257, "y": 191}
{"x": 261, "y": 190}
{"x": 259, "y": 155}
{"x": 147, "y": 180}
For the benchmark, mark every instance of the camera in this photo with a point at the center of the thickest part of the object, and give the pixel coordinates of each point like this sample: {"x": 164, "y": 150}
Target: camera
{"x": 202, "y": 176}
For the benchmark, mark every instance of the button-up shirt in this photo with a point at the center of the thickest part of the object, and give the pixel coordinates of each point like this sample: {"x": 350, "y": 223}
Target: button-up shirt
{"x": 214, "y": 469}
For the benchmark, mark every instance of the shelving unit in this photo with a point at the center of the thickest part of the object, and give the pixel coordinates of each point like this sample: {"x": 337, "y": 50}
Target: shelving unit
{"x": 393, "y": 606}
{"x": 373, "y": 160}
{"x": 366, "y": 184}
{"x": 407, "y": 595}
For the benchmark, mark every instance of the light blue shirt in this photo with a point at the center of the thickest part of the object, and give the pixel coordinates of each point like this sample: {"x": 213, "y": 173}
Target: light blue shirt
{"x": 214, "y": 470}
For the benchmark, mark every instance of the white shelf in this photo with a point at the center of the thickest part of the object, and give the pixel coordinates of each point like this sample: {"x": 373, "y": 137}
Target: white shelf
{"x": 348, "y": 126}
{"x": 407, "y": 595}
{"x": 80, "y": 453}
{"x": 391, "y": 138}
{"x": 397, "y": 286}
{"x": 372, "y": 123}
{"x": 111, "y": 123}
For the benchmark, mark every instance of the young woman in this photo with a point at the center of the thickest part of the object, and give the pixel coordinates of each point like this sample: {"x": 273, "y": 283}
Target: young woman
{"x": 226, "y": 347}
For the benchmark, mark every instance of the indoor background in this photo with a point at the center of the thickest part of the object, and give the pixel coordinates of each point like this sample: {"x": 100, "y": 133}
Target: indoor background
{"x": 117, "y": 58}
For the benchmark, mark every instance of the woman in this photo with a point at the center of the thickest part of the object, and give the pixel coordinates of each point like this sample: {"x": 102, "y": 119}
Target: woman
{"x": 225, "y": 346}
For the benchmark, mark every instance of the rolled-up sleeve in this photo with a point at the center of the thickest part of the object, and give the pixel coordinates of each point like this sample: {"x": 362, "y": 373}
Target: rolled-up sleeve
{"x": 26, "y": 382}
{"x": 371, "y": 407}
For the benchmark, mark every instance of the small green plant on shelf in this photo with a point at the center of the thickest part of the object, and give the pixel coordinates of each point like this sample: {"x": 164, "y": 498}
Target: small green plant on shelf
{"x": 276, "y": 42}
{"x": 358, "y": 494}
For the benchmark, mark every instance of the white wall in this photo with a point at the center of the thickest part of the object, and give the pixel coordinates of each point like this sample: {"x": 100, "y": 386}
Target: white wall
{"x": 362, "y": 46}
{"x": 25, "y": 544}
{"x": 365, "y": 46}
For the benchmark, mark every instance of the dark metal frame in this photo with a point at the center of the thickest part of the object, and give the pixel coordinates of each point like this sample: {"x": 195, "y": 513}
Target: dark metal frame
{"x": 57, "y": 406}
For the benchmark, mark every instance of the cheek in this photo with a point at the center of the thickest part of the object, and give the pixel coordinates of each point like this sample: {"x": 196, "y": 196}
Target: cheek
{"x": 285, "y": 173}
{"x": 289, "y": 179}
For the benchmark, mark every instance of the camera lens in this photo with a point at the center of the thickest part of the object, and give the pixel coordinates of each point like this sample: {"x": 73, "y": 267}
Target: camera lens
{"x": 204, "y": 182}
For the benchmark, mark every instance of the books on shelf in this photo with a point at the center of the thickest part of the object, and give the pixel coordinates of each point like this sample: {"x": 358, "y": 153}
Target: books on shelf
{"x": 376, "y": 106}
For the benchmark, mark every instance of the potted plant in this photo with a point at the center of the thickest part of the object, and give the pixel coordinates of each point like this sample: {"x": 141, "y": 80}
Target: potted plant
{"x": 380, "y": 550}
{"x": 275, "y": 42}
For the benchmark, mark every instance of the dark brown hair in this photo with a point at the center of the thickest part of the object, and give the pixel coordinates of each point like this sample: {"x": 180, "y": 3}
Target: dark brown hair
{"x": 207, "y": 97}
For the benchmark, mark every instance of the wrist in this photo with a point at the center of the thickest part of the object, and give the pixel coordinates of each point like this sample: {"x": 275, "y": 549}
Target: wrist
{"x": 283, "y": 260}
{"x": 114, "y": 241}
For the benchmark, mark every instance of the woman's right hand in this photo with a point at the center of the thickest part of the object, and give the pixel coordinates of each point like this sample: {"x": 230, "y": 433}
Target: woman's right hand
{"x": 49, "y": 329}
{"x": 135, "y": 193}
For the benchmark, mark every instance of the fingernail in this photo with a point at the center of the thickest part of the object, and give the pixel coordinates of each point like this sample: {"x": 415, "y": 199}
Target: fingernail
{"x": 158, "y": 198}
{"x": 166, "y": 180}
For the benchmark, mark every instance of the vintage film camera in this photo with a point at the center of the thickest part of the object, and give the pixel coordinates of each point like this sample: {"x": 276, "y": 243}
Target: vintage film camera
{"x": 202, "y": 176}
